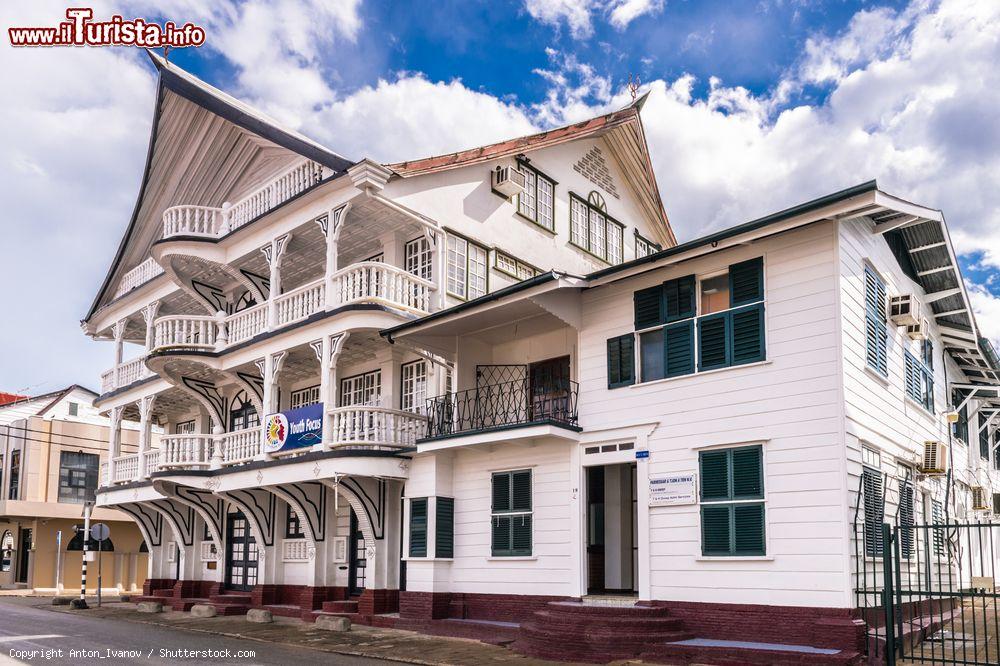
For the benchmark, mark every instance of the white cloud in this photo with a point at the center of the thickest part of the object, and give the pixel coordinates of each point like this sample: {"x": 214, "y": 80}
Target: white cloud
{"x": 578, "y": 15}
{"x": 987, "y": 309}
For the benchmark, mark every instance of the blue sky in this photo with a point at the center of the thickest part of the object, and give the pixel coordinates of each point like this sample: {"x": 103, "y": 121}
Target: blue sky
{"x": 753, "y": 107}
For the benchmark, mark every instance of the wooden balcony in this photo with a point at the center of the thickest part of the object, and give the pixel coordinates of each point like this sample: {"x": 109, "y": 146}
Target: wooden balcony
{"x": 377, "y": 282}
{"x": 375, "y": 427}
{"x": 185, "y": 452}
{"x": 215, "y": 222}
{"x": 124, "y": 374}
{"x": 138, "y": 276}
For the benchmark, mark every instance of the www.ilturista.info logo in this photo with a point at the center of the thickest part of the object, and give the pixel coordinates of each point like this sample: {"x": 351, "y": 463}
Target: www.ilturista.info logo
{"x": 80, "y": 30}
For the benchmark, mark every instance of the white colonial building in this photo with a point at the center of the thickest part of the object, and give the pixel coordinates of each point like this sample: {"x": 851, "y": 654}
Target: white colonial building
{"x": 461, "y": 393}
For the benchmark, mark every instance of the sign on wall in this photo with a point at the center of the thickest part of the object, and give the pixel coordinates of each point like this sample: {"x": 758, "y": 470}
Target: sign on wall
{"x": 294, "y": 429}
{"x": 672, "y": 489}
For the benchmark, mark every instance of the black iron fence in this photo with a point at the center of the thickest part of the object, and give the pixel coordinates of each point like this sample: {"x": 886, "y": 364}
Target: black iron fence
{"x": 521, "y": 402}
{"x": 927, "y": 592}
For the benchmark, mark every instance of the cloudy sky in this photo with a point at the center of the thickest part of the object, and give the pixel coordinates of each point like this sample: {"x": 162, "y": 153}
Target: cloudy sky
{"x": 754, "y": 106}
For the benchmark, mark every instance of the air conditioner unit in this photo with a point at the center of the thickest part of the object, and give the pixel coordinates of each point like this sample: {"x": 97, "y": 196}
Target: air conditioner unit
{"x": 935, "y": 460}
{"x": 508, "y": 181}
{"x": 917, "y": 331}
{"x": 903, "y": 310}
{"x": 979, "y": 499}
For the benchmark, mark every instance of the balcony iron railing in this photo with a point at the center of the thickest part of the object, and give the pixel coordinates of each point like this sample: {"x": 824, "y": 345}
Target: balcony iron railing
{"x": 521, "y": 402}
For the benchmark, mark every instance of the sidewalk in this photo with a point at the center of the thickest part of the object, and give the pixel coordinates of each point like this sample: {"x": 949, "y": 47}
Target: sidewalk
{"x": 361, "y": 641}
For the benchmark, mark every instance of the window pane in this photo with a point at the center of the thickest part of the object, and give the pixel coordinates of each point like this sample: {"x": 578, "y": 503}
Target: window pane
{"x": 457, "y": 255}
{"x": 715, "y": 294}
{"x": 417, "y": 258}
{"x": 545, "y": 204}
{"x": 651, "y": 348}
{"x": 477, "y": 271}
{"x": 526, "y": 200}
{"x": 578, "y": 223}
{"x": 597, "y": 233}
{"x": 614, "y": 243}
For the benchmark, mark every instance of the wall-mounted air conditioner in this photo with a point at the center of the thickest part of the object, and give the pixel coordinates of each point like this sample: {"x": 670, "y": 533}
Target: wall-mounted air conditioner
{"x": 917, "y": 331}
{"x": 508, "y": 181}
{"x": 935, "y": 459}
{"x": 979, "y": 499}
{"x": 903, "y": 310}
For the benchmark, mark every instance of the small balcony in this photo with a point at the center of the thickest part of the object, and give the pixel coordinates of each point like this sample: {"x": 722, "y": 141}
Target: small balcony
{"x": 124, "y": 374}
{"x": 212, "y": 222}
{"x": 138, "y": 276}
{"x": 375, "y": 427}
{"x": 552, "y": 401}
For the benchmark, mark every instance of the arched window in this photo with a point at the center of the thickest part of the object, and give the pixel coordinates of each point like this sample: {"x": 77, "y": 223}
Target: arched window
{"x": 6, "y": 550}
{"x": 597, "y": 201}
{"x": 242, "y": 413}
{"x": 76, "y": 543}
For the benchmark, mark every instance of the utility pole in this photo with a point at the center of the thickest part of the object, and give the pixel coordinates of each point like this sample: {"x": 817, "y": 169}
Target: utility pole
{"x": 81, "y": 603}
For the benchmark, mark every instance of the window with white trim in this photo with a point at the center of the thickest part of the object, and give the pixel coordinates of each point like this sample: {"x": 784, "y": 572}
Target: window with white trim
{"x": 593, "y": 230}
{"x": 364, "y": 390}
{"x": 536, "y": 202}
{"x": 413, "y": 396}
{"x": 510, "y": 265}
{"x": 304, "y": 397}
{"x": 467, "y": 268}
{"x": 645, "y": 247}
{"x": 184, "y": 428}
{"x": 417, "y": 258}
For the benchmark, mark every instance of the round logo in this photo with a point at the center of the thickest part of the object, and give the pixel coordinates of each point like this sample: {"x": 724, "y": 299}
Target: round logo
{"x": 275, "y": 432}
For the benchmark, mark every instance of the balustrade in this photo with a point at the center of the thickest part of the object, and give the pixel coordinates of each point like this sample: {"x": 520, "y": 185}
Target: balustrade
{"x": 301, "y": 302}
{"x": 185, "y": 451}
{"x": 241, "y": 446}
{"x": 375, "y": 426}
{"x": 198, "y": 332}
{"x": 374, "y": 281}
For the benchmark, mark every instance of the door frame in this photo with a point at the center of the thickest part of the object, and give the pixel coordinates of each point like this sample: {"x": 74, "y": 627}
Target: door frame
{"x": 638, "y": 437}
{"x": 23, "y": 571}
{"x": 246, "y": 539}
{"x": 353, "y": 539}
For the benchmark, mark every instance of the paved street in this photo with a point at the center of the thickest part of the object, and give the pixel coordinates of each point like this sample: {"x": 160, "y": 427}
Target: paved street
{"x": 26, "y": 627}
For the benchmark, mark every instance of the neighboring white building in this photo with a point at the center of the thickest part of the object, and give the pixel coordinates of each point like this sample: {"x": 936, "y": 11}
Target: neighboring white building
{"x": 472, "y": 385}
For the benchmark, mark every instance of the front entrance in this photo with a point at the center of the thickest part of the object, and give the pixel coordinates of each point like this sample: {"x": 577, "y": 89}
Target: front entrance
{"x": 241, "y": 554}
{"x": 358, "y": 558}
{"x": 612, "y": 525}
{"x": 23, "y": 553}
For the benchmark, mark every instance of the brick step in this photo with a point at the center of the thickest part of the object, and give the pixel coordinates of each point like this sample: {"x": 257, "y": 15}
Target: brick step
{"x": 733, "y": 655}
{"x": 231, "y": 598}
{"x": 163, "y": 592}
{"x": 600, "y": 610}
{"x": 536, "y": 629}
{"x": 340, "y": 606}
{"x": 151, "y": 597}
{"x": 185, "y": 604}
{"x": 575, "y": 624}
{"x": 230, "y": 609}
{"x": 284, "y": 610}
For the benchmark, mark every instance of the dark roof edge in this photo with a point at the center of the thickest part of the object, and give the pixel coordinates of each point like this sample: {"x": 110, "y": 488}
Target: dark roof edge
{"x": 753, "y": 225}
{"x": 387, "y": 333}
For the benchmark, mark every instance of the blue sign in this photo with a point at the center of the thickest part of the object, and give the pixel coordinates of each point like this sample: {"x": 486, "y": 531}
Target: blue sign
{"x": 294, "y": 429}
{"x": 641, "y": 453}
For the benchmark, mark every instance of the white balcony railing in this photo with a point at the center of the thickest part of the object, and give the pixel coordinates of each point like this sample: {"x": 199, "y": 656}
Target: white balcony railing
{"x": 185, "y": 451}
{"x": 126, "y": 468}
{"x": 150, "y": 462}
{"x": 188, "y": 331}
{"x": 376, "y": 282}
{"x": 211, "y": 222}
{"x": 124, "y": 374}
{"x": 301, "y": 302}
{"x": 241, "y": 446}
{"x": 139, "y": 275}
{"x": 375, "y": 426}
{"x": 246, "y": 323}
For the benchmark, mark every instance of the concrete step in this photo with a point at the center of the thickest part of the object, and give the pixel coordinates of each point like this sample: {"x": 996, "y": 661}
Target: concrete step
{"x": 340, "y": 606}
{"x": 742, "y": 653}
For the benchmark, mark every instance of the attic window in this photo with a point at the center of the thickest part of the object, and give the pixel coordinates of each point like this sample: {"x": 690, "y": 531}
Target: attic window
{"x": 537, "y": 201}
{"x": 74, "y": 409}
{"x": 593, "y": 230}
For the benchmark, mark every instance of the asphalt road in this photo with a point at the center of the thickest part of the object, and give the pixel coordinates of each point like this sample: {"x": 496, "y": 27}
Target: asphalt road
{"x": 33, "y": 635}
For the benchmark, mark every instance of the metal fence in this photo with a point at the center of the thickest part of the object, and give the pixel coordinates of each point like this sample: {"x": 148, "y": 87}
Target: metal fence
{"x": 927, "y": 591}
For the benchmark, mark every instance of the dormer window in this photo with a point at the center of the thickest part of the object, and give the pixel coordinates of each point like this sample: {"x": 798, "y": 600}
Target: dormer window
{"x": 537, "y": 201}
{"x": 593, "y": 230}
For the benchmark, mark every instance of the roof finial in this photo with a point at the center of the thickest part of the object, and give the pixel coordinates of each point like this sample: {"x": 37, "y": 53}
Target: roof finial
{"x": 633, "y": 86}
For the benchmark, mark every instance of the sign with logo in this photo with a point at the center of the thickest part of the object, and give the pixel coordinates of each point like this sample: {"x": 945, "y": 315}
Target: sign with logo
{"x": 294, "y": 429}
{"x": 672, "y": 489}
{"x": 641, "y": 454}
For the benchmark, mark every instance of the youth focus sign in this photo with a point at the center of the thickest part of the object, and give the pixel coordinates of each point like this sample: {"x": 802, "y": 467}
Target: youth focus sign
{"x": 294, "y": 429}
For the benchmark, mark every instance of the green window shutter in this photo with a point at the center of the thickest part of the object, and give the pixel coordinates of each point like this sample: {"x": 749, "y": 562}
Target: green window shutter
{"x": 906, "y": 520}
{"x": 716, "y": 529}
{"x": 746, "y": 282}
{"x": 713, "y": 350}
{"x": 678, "y": 345}
{"x": 874, "y": 511}
{"x": 679, "y": 298}
{"x": 648, "y": 307}
{"x": 521, "y": 491}
{"x": 501, "y": 492}
{"x": 501, "y": 535}
{"x": 748, "y": 473}
{"x": 715, "y": 475}
{"x": 444, "y": 527}
{"x": 418, "y": 527}
{"x": 937, "y": 517}
{"x": 876, "y": 335}
{"x": 621, "y": 361}
{"x": 520, "y": 534}
{"x": 911, "y": 377}
{"x": 747, "y": 334}
{"x": 748, "y": 529}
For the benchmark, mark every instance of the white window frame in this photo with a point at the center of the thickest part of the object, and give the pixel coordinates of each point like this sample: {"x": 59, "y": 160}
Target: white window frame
{"x": 591, "y": 228}
{"x": 413, "y": 386}
{"x": 515, "y": 268}
{"x": 467, "y": 274}
{"x": 418, "y": 258}
{"x": 303, "y": 397}
{"x": 363, "y": 389}
{"x": 537, "y": 202}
